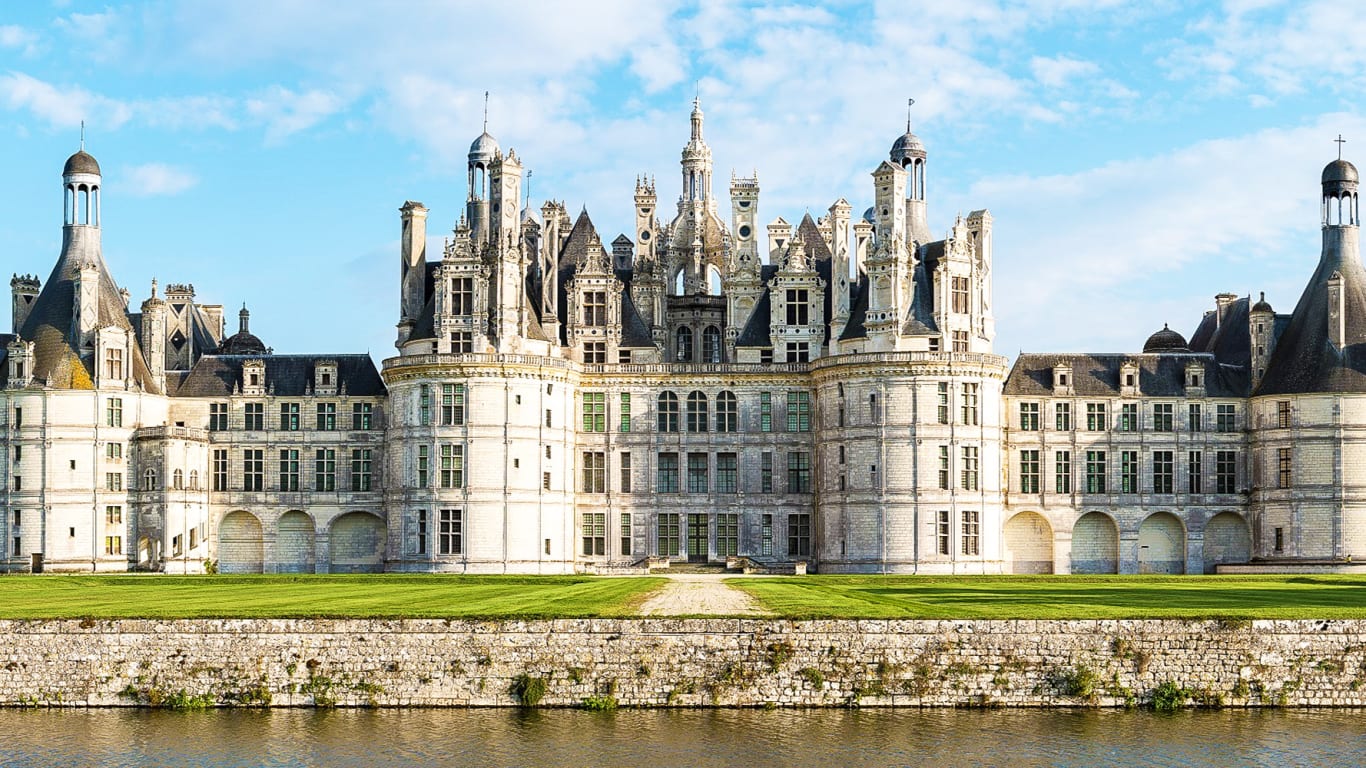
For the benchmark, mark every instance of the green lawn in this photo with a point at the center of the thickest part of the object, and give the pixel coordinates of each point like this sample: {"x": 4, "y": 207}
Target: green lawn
{"x": 378, "y": 596}
{"x": 1061, "y": 597}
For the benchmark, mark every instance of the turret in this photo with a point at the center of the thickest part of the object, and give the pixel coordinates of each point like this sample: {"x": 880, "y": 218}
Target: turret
{"x": 839, "y": 267}
{"x": 1261, "y": 322}
{"x": 153, "y": 336}
{"x": 412, "y": 267}
{"x": 908, "y": 153}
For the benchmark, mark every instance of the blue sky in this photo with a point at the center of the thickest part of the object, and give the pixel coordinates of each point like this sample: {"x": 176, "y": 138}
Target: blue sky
{"x": 1137, "y": 157}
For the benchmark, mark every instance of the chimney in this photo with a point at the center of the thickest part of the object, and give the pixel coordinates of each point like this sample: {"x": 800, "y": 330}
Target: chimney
{"x": 413, "y": 266}
{"x": 1222, "y": 302}
{"x": 154, "y": 336}
{"x": 25, "y": 291}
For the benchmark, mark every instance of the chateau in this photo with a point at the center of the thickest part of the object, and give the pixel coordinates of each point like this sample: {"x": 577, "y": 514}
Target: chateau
{"x": 823, "y": 392}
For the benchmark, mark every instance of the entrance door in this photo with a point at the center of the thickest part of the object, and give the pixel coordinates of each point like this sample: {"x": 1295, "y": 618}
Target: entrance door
{"x": 697, "y": 538}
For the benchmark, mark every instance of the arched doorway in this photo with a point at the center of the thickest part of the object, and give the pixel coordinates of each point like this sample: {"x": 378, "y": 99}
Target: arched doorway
{"x": 294, "y": 543}
{"x": 240, "y": 543}
{"x": 1227, "y": 540}
{"x": 1028, "y": 544}
{"x": 1161, "y": 544}
{"x": 1095, "y": 544}
{"x": 357, "y": 544}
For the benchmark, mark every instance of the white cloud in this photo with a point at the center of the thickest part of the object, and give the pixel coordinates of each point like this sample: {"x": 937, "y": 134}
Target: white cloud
{"x": 285, "y": 112}
{"x": 154, "y": 179}
{"x": 1058, "y": 71}
{"x": 14, "y": 36}
{"x": 61, "y": 107}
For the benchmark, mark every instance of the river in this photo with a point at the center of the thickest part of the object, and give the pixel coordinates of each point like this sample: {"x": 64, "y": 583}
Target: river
{"x": 750, "y": 738}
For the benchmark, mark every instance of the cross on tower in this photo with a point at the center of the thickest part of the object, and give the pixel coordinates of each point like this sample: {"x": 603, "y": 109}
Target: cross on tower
{"x": 909, "y": 103}
{"x": 1339, "y": 141}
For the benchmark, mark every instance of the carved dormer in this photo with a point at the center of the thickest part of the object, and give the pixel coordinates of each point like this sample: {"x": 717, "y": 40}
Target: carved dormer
{"x": 1195, "y": 379}
{"x": 1062, "y": 379}
{"x": 254, "y": 377}
{"x": 1128, "y": 378}
{"x": 797, "y": 321}
{"x": 594, "y": 312}
{"x": 20, "y": 358}
{"x": 325, "y": 378}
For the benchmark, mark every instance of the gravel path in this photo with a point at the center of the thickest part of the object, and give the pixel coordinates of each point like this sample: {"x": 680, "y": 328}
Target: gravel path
{"x": 704, "y": 594}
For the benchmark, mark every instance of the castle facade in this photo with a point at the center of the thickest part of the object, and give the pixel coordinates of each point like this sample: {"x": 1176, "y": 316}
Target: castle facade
{"x": 826, "y": 394}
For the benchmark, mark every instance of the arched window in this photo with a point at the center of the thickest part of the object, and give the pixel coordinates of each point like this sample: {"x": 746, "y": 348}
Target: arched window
{"x": 668, "y": 412}
{"x": 697, "y": 411}
{"x": 713, "y": 281}
{"x": 194, "y": 479}
{"x": 711, "y": 344}
{"x": 678, "y": 283}
{"x": 149, "y": 480}
{"x": 684, "y": 345}
{"x": 177, "y": 480}
{"x": 727, "y": 412}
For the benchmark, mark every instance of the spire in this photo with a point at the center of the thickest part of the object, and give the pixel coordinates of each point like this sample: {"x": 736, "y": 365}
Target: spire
{"x": 909, "y": 103}
{"x": 697, "y": 118}
{"x": 243, "y": 319}
{"x": 83, "y": 139}
{"x": 486, "y": 111}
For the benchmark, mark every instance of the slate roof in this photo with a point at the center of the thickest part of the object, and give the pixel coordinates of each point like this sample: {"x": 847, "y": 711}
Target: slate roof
{"x": 57, "y": 359}
{"x": 1097, "y": 375}
{"x": 920, "y": 317}
{"x": 1230, "y": 341}
{"x": 756, "y": 331}
{"x": 1305, "y": 360}
{"x": 634, "y": 332}
{"x": 425, "y": 325}
{"x": 5, "y": 339}
{"x": 858, "y": 312}
{"x": 286, "y": 375}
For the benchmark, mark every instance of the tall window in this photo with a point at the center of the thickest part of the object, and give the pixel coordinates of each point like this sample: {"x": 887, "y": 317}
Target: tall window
{"x": 799, "y": 535}
{"x": 1128, "y": 417}
{"x": 943, "y": 400}
{"x": 1029, "y": 417}
{"x": 361, "y": 415}
{"x": 253, "y": 469}
{"x": 360, "y": 469}
{"x": 1095, "y": 471}
{"x": 625, "y": 484}
{"x": 942, "y": 532}
{"x": 1162, "y": 417}
{"x": 1283, "y": 468}
{"x": 959, "y": 286}
{"x": 325, "y": 469}
{"x": 669, "y": 533}
{"x": 625, "y": 533}
{"x": 683, "y": 345}
{"x": 594, "y": 533}
{"x": 944, "y": 467}
{"x": 972, "y": 529}
{"x": 462, "y": 296}
{"x": 697, "y": 473}
{"x": 289, "y": 417}
{"x": 594, "y": 473}
{"x": 625, "y": 409}
{"x": 1224, "y": 419}
{"x": 449, "y": 533}
{"x": 421, "y": 542}
{"x": 218, "y": 417}
{"x": 113, "y": 515}
{"x": 727, "y": 473}
{"x": 113, "y": 363}
{"x": 666, "y": 479}
{"x": 1163, "y": 472}
{"x": 1225, "y": 471}
{"x": 1196, "y": 468}
{"x": 424, "y": 466}
{"x": 1282, "y": 414}
{"x": 798, "y": 472}
{"x": 798, "y": 310}
{"x": 594, "y": 411}
{"x": 727, "y": 534}
{"x": 798, "y": 411}
{"x": 697, "y": 411}
{"x": 327, "y": 416}
{"x": 1062, "y": 417}
{"x": 766, "y": 472}
{"x": 1128, "y": 471}
{"x": 765, "y": 411}
{"x": 452, "y": 466}
{"x": 149, "y": 480}
{"x": 112, "y": 452}
{"x": 452, "y": 404}
{"x": 424, "y": 405}
{"x": 766, "y": 535}
{"x": 1029, "y": 471}
{"x": 969, "y": 470}
{"x": 1195, "y": 420}
{"x": 727, "y": 412}
{"x": 595, "y": 308}
{"x": 113, "y": 412}
{"x": 1062, "y": 474}
{"x": 219, "y": 469}
{"x": 668, "y": 412}
{"x": 970, "y": 391}
{"x": 874, "y": 409}
{"x": 711, "y": 344}
{"x": 1095, "y": 417}
{"x": 113, "y": 481}
{"x": 289, "y": 469}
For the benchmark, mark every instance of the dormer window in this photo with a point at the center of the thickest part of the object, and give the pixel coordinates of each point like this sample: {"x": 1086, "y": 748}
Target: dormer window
{"x": 1062, "y": 379}
{"x": 325, "y": 377}
{"x": 254, "y": 377}
{"x": 113, "y": 364}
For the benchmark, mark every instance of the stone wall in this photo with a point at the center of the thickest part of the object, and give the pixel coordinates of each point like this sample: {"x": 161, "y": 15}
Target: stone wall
{"x": 668, "y": 662}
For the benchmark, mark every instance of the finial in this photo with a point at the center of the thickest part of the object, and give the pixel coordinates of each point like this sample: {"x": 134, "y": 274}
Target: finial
{"x": 1340, "y": 141}
{"x": 154, "y": 287}
{"x": 909, "y": 103}
{"x": 486, "y": 111}
{"x": 527, "y": 205}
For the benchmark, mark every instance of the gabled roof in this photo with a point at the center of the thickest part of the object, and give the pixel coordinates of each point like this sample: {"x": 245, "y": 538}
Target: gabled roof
{"x": 1097, "y": 375}
{"x": 756, "y": 331}
{"x": 634, "y": 332}
{"x": 286, "y": 375}
{"x": 858, "y": 312}
{"x": 919, "y": 319}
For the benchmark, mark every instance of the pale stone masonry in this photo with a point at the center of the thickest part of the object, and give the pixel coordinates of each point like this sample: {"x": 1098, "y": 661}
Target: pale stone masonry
{"x": 681, "y": 662}
{"x": 828, "y": 395}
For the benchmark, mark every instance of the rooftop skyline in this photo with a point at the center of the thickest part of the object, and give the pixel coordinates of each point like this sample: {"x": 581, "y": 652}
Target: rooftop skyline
{"x": 1137, "y": 158}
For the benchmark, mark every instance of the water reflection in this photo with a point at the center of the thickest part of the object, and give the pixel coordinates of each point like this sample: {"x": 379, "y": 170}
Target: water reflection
{"x": 845, "y": 738}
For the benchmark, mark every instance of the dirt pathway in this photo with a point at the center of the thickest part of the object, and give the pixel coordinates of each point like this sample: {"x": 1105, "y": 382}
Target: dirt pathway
{"x": 700, "y": 594}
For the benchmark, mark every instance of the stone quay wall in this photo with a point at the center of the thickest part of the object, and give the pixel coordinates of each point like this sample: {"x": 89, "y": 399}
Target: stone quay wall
{"x": 679, "y": 662}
